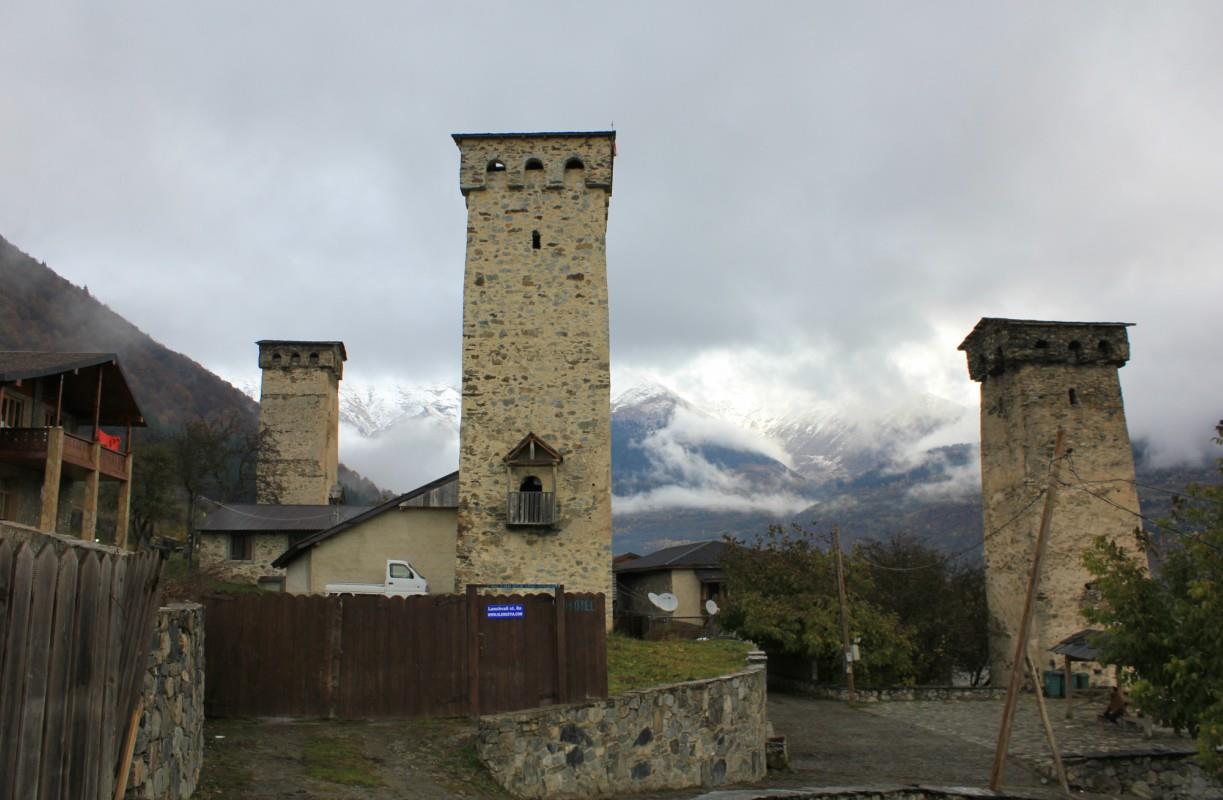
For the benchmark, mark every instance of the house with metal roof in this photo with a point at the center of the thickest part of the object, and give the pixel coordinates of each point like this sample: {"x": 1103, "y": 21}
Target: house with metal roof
{"x": 417, "y": 527}
{"x": 692, "y": 572}
{"x": 55, "y": 457}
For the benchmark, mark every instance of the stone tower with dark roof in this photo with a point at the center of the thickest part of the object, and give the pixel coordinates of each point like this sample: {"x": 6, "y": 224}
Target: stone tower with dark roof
{"x": 535, "y": 436}
{"x": 1036, "y": 377}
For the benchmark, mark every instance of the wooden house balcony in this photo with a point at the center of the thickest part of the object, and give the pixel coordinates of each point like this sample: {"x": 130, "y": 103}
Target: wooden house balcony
{"x": 29, "y": 447}
{"x": 531, "y": 508}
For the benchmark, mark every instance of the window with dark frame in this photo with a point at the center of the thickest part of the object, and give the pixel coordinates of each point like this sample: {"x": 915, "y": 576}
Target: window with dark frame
{"x": 239, "y": 547}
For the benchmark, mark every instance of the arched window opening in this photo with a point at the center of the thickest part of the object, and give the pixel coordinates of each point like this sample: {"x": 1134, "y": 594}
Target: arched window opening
{"x": 574, "y": 163}
{"x": 276, "y": 359}
{"x": 531, "y": 484}
{"x": 534, "y": 163}
{"x": 1041, "y": 344}
{"x": 295, "y": 359}
{"x": 1074, "y": 398}
{"x": 496, "y": 165}
{"x": 314, "y": 359}
{"x": 1076, "y": 346}
{"x": 1105, "y": 348}
{"x": 535, "y": 240}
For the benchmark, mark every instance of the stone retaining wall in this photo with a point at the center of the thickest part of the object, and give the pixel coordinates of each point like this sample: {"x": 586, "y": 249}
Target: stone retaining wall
{"x": 170, "y": 744}
{"x": 699, "y": 733}
{"x": 1147, "y": 774}
{"x": 896, "y": 693}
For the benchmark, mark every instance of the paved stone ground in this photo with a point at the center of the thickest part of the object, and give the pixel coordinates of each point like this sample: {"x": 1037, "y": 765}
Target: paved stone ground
{"x": 977, "y": 722}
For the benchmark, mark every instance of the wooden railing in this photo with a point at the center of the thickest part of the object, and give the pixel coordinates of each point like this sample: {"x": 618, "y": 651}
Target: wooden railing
{"x": 77, "y": 451}
{"x": 531, "y": 508}
{"x": 113, "y": 464}
{"x": 24, "y": 440}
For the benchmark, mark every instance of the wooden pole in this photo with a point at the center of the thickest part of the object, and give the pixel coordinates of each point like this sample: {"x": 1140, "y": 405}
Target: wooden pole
{"x": 844, "y": 600}
{"x": 562, "y": 648}
{"x": 129, "y": 747}
{"x": 473, "y": 651}
{"x": 1025, "y": 623}
{"x": 59, "y": 403}
{"x": 1069, "y": 689}
{"x": 97, "y": 407}
{"x": 1048, "y": 726}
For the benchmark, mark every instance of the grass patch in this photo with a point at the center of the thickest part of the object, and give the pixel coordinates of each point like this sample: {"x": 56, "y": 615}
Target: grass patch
{"x": 636, "y": 664}
{"x": 226, "y": 772}
{"x": 180, "y": 582}
{"x": 339, "y": 759}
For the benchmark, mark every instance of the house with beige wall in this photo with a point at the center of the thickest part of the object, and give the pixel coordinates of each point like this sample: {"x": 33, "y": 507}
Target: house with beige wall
{"x": 417, "y": 527}
{"x": 692, "y": 572}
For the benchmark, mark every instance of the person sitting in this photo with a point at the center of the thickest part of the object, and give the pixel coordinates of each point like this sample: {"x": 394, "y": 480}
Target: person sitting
{"x": 1116, "y": 706}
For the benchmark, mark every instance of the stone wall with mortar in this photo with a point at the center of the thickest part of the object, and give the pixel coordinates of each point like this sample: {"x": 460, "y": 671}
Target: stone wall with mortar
{"x": 889, "y": 695}
{"x": 535, "y": 357}
{"x": 1034, "y": 378}
{"x": 170, "y": 743}
{"x": 265, "y": 548}
{"x": 1169, "y": 775}
{"x": 700, "y": 733}
{"x": 299, "y": 421}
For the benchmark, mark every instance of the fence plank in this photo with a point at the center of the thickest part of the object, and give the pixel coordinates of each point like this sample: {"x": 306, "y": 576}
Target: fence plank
{"x": 42, "y": 614}
{"x": 57, "y": 683}
{"x": 78, "y": 690}
{"x": 12, "y": 682}
{"x": 6, "y": 581}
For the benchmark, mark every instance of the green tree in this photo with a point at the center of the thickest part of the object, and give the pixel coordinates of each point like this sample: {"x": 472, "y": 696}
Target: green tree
{"x": 155, "y": 496}
{"x": 782, "y": 594}
{"x": 1163, "y": 626}
{"x": 942, "y": 606}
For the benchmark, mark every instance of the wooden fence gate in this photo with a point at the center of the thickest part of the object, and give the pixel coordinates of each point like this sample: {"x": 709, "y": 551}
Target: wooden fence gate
{"x": 362, "y": 657}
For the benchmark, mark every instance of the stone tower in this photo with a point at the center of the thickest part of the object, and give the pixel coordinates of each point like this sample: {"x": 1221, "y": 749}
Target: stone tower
{"x": 299, "y": 421}
{"x": 1036, "y": 376}
{"x": 535, "y": 436}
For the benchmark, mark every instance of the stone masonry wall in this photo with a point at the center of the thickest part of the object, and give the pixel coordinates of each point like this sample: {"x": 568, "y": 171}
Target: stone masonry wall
{"x": 699, "y": 733}
{"x": 1146, "y": 775}
{"x": 265, "y": 548}
{"x": 299, "y": 422}
{"x": 1034, "y": 379}
{"x": 170, "y": 744}
{"x": 535, "y": 358}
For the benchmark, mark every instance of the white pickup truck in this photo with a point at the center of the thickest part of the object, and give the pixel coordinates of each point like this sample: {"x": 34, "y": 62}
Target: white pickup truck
{"x": 401, "y": 580}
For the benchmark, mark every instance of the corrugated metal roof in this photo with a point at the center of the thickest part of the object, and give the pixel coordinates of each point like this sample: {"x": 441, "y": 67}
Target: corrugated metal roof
{"x": 254, "y": 517}
{"x": 21, "y": 364}
{"x": 682, "y": 556}
{"x": 1077, "y": 646}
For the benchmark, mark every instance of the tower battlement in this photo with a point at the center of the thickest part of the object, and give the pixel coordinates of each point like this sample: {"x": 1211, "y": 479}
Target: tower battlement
{"x": 516, "y": 160}
{"x": 996, "y": 345}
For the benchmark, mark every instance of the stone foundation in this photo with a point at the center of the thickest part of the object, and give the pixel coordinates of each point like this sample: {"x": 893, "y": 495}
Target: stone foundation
{"x": 1147, "y": 774}
{"x": 170, "y": 743}
{"x": 699, "y": 733}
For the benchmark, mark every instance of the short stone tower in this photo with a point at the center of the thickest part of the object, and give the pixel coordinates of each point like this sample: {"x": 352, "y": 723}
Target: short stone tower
{"x": 1036, "y": 376}
{"x": 535, "y": 436}
{"x": 299, "y": 421}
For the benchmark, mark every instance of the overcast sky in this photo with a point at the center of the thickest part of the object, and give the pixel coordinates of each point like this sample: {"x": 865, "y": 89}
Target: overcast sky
{"x": 811, "y": 199}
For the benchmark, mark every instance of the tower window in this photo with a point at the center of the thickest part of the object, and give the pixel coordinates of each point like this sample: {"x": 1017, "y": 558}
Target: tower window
{"x": 314, "y": 358}
{"x": 1076, "y": 346}
{"x": 276, "y": 359}
{"x": 1074, "y": 398}
{"x": 496, "y": 166}
{"x": 1041, "y": 344}
{"x": 1105, "y": 348}
{"x": 535, "y": 240}
{"x": 574, "y": 163}
{"x": 531, "y": 484}
{"x": 295, "y": 359}
{"x": 534, "y": 163}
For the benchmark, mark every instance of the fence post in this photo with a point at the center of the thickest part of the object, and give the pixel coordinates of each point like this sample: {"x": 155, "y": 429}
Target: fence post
{"x": 562, "y": 678}
{"x": 473, "y": 651}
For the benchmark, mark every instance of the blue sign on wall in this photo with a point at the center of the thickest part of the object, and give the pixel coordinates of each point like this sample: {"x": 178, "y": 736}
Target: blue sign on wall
{"x": 504, "y": 611}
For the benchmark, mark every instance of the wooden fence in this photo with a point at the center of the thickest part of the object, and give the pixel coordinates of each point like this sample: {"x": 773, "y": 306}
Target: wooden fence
{"x": 362, "y": 657}
{"x": 75, "y": 622}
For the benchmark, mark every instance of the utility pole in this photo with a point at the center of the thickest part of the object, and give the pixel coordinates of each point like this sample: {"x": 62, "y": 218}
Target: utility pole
{"x": 848, "y": 645}
{"x": 1025, "y": 623}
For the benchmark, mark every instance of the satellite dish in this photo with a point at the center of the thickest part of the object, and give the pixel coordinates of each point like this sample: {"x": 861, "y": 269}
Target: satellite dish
{"x": 711, "y": 606}
{"x": 665, "y": 601}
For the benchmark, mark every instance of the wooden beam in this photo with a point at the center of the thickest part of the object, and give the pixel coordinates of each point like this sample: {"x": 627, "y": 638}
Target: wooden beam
{"x": 97, "y": 407}
{"x": 59, "y": 403}
{"x": 473, "y": 651}
{"x": 562, "y": 651}
{"x": 844, "y": 600}
{"x": 1025, "y": 623}
{"x": 1048, "y": 726}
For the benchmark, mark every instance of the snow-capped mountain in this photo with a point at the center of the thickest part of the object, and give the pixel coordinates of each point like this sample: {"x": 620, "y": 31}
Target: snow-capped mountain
{"x": 373, "y": 411}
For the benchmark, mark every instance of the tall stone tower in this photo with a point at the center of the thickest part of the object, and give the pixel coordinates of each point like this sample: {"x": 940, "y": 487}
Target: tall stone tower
{"x": 299, "y": 421}
{"x": 1035, "y": 377}
{"x": 535, "y": 436}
